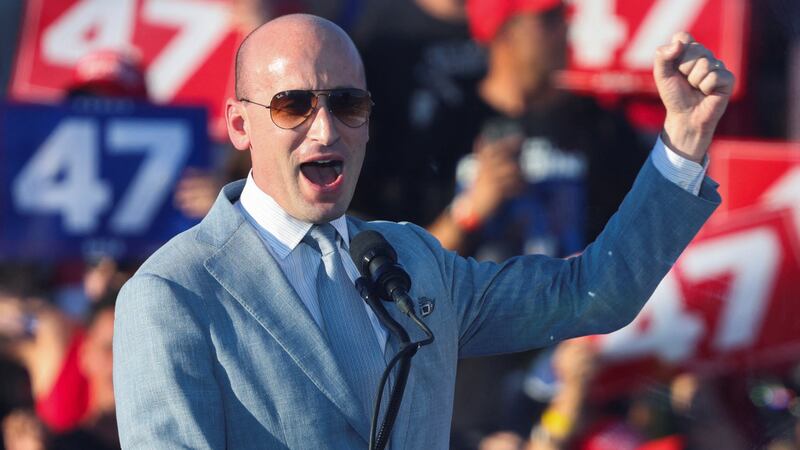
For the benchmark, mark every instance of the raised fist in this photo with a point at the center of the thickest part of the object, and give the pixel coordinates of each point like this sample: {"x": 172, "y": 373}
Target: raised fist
{"x": 695, "y": 88}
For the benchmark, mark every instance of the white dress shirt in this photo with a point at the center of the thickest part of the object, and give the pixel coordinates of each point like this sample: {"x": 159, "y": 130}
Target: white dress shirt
{"x": 677, "y": 169}
{"x": 283, "y": 233}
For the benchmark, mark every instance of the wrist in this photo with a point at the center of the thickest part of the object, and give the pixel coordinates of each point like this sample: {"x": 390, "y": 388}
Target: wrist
{"x": 690, "y": 144}
{"x": 464, "y": 214}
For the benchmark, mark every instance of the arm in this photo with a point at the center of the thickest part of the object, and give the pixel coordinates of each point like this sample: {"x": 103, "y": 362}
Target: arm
{"x": 498, "y": 178}
{"x": 575, "y": 363}
{"x": 535, "y": 301}
{"x": 164, "y": 382}
{"x": 605, "y": 287}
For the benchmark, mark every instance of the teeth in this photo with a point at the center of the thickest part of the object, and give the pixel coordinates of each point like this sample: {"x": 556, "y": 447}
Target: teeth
{"x": 338, "y": 169}
{"x": 323, "y": 162}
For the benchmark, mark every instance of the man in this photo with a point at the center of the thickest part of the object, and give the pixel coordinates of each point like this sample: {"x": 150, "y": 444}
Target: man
{"x": 223, "y": 340}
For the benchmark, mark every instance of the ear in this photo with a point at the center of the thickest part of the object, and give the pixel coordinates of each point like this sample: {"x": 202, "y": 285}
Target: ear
{"x": 238, "y": 124}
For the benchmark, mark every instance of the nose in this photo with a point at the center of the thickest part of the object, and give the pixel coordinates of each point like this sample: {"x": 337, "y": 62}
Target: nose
{"x": 323, "y": 126}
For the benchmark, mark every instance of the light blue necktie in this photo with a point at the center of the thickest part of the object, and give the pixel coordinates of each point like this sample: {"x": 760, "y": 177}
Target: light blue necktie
{"x": 345, "y": 321}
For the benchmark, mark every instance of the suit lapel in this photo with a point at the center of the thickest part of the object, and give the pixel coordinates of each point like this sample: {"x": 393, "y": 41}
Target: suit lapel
{"x": 245, "y": 268}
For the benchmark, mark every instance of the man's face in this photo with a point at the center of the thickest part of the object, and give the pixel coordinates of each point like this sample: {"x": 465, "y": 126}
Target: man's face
{"x": 311, "y": 170}
{"x": 539, "y": 45}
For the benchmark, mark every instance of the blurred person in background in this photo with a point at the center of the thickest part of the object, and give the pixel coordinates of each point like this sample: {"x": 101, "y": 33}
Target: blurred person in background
{"x": 70, "y": 374}
{"x": 68, "y": 362}
{"x": 686, "y": 413}
{"x": 21, "y": 429}
{"x": 570, "y": 420}
{"x": 550, "y": 167}
{"x": 547, "y": 170}
{"x": 422, "y": 67}
{"x": 97, "y": 428}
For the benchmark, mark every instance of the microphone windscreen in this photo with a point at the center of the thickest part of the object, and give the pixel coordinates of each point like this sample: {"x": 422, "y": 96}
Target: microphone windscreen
{"x": 365, "y": 246}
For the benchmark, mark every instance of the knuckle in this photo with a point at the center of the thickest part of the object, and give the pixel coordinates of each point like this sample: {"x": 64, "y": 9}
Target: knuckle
{"x": 683, "y": 36}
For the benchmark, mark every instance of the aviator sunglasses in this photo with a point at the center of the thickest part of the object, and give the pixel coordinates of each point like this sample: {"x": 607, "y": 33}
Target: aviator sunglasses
{"x": 289, "y": 109}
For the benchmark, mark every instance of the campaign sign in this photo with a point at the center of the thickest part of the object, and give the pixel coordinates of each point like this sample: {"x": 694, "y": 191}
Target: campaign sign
{"x": 186, "y": 46}
{"x": 94, "y": 176}
{"x": 732, "y": 299}
{"x": 612, "y": 43}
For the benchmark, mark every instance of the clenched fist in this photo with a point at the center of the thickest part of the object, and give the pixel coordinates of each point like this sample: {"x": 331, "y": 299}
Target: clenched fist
{"x": 695, "y": 88}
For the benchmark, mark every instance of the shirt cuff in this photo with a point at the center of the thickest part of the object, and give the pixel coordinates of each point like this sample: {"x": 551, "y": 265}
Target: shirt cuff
{"x": 677, "y": 169}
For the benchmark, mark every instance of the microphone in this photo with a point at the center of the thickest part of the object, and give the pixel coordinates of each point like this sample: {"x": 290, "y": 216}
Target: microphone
{"x": 376, "y": 261}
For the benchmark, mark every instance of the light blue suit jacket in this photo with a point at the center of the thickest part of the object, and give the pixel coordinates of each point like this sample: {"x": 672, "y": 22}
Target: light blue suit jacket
{"x": 214, "y": 349}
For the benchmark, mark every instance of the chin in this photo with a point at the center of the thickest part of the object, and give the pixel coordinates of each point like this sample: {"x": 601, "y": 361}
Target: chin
{"x": 323, "y": 213}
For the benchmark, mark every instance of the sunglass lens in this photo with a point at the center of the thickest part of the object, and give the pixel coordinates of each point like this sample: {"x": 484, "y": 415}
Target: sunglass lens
{"x": 351, "y": 106}
{"x": 289, "y": 109}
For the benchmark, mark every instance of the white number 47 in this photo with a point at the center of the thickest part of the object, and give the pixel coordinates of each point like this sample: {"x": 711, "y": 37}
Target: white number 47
{"x": 63, "y": 176}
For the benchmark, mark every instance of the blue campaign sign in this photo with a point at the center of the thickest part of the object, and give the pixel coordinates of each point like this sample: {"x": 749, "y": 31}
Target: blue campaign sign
{"x": 94, "y": 176}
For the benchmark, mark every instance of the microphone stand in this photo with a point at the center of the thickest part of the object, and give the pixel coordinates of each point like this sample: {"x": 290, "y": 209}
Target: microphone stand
{"x": 379, "y": 438}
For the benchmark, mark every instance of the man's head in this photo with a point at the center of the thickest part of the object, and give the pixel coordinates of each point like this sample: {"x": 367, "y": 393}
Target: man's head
{"x": 310, "y": 169}
{"x": 525, "y": 37}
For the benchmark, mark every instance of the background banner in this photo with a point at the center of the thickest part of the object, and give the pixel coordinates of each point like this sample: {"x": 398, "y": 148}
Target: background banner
{"x": 94, "y": 176}
{"x": 732, "y": 300}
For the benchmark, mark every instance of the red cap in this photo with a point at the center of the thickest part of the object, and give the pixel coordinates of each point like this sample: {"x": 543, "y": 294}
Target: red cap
{"x": 111, "y": 73}
{"x": 486, "y": 17}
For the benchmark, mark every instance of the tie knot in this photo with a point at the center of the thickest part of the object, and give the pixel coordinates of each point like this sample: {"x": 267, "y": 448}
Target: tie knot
{"x": 322, "y": 238}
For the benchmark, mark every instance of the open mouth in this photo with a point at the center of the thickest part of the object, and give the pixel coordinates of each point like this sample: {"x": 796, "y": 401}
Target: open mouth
{"x": 322, "y": 173}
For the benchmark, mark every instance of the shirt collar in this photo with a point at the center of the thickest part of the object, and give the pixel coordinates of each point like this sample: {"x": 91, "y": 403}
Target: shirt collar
{"x": 287, "y": 230}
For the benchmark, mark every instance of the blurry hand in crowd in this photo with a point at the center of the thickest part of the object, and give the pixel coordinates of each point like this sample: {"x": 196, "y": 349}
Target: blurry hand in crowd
{"x": 36, "y": 335}
{"x": 575, "y": 361}
{"x": 498, "y": 176}
{"x": 13, "y": 318}
{"x": 100, "y": 278}
{"x": 196, "y": 193}
{"x": 683, "y": 390}
{"x": 503, "y": 440}
{"x": 23, "y": 431}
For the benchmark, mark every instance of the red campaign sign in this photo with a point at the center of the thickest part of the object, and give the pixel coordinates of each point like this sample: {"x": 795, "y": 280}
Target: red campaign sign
{"x": 735, "y": 161}
{"x": 612, "y": 42}
{"x": 187, "y": 48}
{"x": 731, "y": 301}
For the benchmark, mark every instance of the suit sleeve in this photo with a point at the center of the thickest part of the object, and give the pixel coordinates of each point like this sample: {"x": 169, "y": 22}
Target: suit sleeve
{"x": 166, "y": 392}
{"x": 535, "y": 301}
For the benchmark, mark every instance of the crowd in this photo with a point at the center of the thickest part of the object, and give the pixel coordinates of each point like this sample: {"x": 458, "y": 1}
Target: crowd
{"x": 472, "y": 138}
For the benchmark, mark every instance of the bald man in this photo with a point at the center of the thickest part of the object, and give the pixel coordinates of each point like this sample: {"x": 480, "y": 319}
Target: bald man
{"x": 223, "y": 338}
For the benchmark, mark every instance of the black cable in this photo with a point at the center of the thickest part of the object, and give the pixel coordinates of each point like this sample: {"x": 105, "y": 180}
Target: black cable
{"x": 379, "y": 439}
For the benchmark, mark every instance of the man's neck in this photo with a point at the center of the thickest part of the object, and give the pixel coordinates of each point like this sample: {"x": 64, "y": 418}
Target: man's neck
{"x": 502, "y": 90}
{"x": 287, "y": 230}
